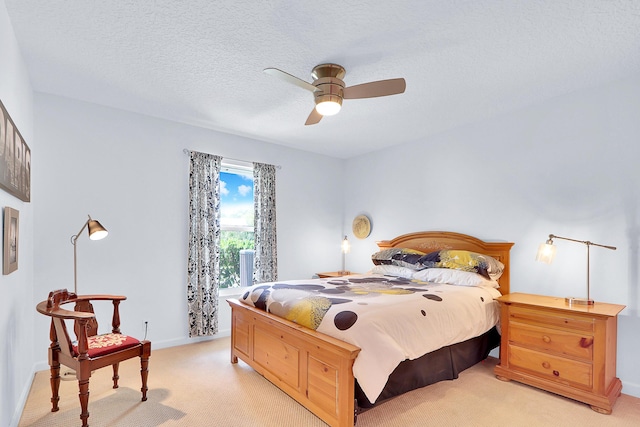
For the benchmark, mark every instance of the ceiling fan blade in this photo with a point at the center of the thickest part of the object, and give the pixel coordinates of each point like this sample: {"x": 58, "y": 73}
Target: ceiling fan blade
{"x": 374, "y": 89}
{"x": 313, "y": 118}
{"x": 291, "y": 79}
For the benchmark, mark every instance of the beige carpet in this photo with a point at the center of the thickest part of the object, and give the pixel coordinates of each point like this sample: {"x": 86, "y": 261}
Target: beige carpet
{"x": 196, "y": 385}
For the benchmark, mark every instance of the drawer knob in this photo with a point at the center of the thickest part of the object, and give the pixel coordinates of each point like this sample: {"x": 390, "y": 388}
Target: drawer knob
{"x": 556, "y": 373}
{"x": 546, "y": 339}
{"x": 546, "y": 365}
{"x": 586, "y": 342}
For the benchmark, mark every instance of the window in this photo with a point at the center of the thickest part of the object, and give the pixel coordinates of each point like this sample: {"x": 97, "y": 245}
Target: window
{"x": 236, "y": 224}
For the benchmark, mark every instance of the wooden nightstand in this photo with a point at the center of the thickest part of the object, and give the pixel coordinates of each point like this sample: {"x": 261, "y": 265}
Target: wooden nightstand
{"x": 565, "y": 349}
{"x": 329, "y": 274}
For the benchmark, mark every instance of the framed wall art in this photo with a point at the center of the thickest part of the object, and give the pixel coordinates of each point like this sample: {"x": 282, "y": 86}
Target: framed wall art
{"x": 15, "y": 159}
{"x": 11, "y": 232}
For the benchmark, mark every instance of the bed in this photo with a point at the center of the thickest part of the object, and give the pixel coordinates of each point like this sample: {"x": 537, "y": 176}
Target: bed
{"x": 317, "y": 369}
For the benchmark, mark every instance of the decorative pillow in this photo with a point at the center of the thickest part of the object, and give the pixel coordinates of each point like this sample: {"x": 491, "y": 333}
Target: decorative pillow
{"x": 474, "y": 262}
{"x": 454, "y": 277}
{"x": 393, "y": 270}
{"x": 398, "y": 256}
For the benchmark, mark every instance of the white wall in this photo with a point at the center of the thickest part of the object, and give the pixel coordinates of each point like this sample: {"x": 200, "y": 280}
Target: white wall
{"x": 129, "y": 172}
{"x": 568, "y": 166}
{"x": 16, "y": 308}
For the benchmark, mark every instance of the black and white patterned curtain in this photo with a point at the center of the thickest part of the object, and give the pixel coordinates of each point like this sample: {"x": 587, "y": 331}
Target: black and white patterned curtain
{"x": 265, "y": 263}
{"x": 203, "y": 269}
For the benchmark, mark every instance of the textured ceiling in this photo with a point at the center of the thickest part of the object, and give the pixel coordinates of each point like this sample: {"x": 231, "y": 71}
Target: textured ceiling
{"x": 200, "y": 62}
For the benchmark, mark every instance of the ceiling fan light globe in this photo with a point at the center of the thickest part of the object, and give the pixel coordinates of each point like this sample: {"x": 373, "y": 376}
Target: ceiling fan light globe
{"x": 328, "y": 108}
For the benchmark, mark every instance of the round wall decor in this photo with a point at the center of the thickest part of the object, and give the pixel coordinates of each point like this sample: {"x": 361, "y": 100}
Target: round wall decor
{"x": 361, "y": 226}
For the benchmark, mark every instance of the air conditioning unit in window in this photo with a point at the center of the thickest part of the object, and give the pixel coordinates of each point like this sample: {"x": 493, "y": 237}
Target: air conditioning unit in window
{"x": 246, "y": 267}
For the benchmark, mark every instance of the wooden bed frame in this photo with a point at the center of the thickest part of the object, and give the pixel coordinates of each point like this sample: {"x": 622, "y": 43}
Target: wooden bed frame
{"x": 316, "y": 369}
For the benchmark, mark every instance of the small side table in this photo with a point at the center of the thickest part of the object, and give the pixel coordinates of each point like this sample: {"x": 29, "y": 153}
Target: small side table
{"x": 329, "y": 274}
{"x": 569, "y": 350}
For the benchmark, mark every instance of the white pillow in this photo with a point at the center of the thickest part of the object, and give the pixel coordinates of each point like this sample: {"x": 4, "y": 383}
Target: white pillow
{"x": 454, "y": 277}
{"x": 393, "y": 270}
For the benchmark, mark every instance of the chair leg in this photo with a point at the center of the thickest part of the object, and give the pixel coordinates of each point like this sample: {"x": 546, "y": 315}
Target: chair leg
{"x": 55, "y": 376}
{"x": 55, "y": 387}
{"x": 144, "y": 373}
{"x": 116, "y": 377}
{"x": 84, "y": 401}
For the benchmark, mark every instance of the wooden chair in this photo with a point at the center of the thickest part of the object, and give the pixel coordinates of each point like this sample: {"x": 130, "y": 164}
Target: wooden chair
{"x": 92, "y": 351}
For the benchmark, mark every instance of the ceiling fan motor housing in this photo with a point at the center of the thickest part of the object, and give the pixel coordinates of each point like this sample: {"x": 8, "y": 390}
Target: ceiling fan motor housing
{"x": 328, "y": 78}
{"x": 331, "y": 90}
{"x": 328, "y": 70}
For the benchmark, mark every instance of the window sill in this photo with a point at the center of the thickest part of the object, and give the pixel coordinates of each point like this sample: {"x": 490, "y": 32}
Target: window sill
{"x": 232, "y": 292}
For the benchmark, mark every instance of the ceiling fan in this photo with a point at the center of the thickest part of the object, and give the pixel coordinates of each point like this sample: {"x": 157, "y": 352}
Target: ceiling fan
{"x": 329, "y": 90}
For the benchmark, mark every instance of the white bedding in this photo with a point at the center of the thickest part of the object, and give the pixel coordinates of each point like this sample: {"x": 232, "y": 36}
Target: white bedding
{"x": 390, "y": 319}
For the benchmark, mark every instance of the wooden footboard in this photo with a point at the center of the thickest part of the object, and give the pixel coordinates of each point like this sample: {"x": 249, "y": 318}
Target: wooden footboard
{"x": 313, "y": 368}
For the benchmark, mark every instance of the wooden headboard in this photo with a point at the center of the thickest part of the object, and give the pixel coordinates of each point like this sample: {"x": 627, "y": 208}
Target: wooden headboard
{"x": 430, "y": 241}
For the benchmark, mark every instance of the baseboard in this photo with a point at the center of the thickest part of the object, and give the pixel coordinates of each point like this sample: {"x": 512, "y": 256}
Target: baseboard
{"x": 17, "y": 413}
{"x": 631, "y": 389}
{"x": 188, "y": 340}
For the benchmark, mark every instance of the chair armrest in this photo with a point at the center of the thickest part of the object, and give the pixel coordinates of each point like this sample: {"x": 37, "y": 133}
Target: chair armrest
{"x": 62, "y": 313}
{"x": 83, "y": 314}
{"x": 97, "y": 297}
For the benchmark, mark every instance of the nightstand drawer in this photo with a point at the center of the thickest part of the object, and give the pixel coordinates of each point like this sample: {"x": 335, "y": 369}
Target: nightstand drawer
{"x": 552, "y": 340}
{"x": 551, "y": 367}
{"x": 542, "y": 318}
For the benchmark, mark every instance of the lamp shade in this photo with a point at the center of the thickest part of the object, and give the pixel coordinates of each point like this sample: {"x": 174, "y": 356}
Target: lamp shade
{"x": 546, "y": 252}
{"x": 346, "y": 246}
{"x": 96, "y": 230}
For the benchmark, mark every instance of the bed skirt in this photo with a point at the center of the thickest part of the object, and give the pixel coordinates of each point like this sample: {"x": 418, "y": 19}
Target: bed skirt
{"x": 439, "y": 365}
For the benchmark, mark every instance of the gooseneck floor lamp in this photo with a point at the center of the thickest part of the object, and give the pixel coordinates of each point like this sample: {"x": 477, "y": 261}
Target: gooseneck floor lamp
{"x": 546, "y": 253}
{"x": 96, "y": 232}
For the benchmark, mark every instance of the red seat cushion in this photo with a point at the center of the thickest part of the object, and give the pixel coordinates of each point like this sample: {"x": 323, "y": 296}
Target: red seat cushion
{"x": 99, "y": 345}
